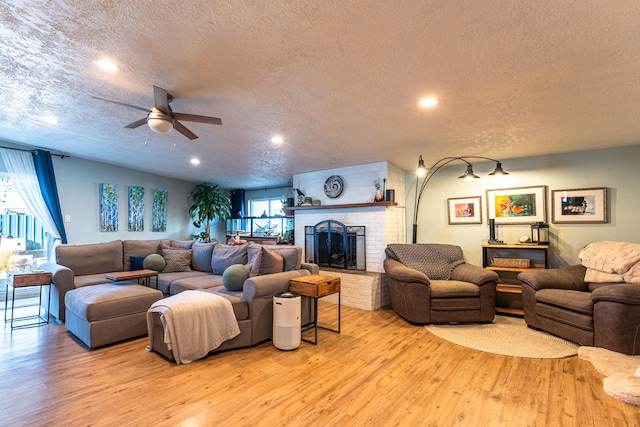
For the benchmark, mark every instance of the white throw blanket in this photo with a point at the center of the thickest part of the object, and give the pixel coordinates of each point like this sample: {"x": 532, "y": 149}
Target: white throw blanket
{"x": 195, "y": 323}
{"x": 611, "y": 262}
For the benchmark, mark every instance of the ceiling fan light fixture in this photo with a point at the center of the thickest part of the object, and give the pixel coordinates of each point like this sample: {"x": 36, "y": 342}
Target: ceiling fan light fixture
{"x": 159, "y": 122}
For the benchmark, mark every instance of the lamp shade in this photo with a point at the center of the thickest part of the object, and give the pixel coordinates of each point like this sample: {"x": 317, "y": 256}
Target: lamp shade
{"x": 499, "y": 170}
{"x": 468, "y": 174}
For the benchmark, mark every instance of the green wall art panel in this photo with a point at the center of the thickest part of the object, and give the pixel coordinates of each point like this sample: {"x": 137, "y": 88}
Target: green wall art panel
{"x": 108, "y": 207}
{"x": 159, "y": 214}
{"x": 136, "y": 208}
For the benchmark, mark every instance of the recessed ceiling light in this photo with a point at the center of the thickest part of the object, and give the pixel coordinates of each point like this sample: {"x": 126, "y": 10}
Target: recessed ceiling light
{"x": 50, "y": 120}
{"x": 428, "y": 102}
{"x": 107, "y": 65}
{"x": 277, "y": 140}
{"x": 195, "y": 161}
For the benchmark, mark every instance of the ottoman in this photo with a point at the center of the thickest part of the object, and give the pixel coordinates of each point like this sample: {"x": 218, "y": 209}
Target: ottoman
{"x": 107, "y": 313}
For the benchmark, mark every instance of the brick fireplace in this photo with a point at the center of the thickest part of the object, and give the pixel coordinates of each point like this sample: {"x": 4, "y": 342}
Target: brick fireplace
{"x": 383, "y": 223}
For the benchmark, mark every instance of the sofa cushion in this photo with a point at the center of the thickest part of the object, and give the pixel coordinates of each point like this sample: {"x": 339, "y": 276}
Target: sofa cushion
{"x": 137, "y": 248}
{"x": 569, "y": 300}
{"x": 239, "y": 304}
{"x": 227, "y": 255}
{"x": 90, "y": 279}
{"x": 201, "y": 259}
{"x": 107, "y": 301}
{"x": 292, "y": 255}
{"x": 267, "y": 262}
{"x": 181, "y": 244}
{"x": 453, "y": 289}
{"x": 154, "y": 262}
{"x": 234, "y": 276}
{"x": 166, "y": 281}
{"x": 136, "y": 262}
{"x": 91, "y": 258}
{"x": 176, "y": 260}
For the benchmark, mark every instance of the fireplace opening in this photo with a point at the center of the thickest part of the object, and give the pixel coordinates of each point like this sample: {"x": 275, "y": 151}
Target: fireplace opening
{"x": 332, "y": 244}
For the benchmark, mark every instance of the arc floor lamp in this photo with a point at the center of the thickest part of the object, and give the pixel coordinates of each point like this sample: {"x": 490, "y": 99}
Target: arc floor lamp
{"x": 427, "y": 174}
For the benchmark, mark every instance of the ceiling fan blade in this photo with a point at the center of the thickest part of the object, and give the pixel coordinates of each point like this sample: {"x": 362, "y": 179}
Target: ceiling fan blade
{"x": 121, "y": 103}
{"x": 161, "y": 99}
{"x": 183, "y": 130}
{"x": 196, "y": 118}
{"x": 136, "y": 123}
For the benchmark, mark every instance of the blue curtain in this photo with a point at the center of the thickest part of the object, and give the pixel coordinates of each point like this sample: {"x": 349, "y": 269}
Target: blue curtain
{"x": 47, "y": 180}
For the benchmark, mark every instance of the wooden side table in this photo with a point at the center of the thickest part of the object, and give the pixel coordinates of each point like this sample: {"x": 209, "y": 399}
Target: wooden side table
{"x": 316, "y": 286}
{"x": 134, "y": 274}
{"x": 24, "y": 279}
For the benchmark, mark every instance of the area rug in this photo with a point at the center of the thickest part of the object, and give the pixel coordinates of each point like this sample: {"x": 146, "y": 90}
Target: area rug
{"x": 619, "y": 371}
{"x": 508, "y": 336}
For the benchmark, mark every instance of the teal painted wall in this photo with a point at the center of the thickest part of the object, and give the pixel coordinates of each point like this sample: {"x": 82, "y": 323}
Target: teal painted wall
{"x": 617, "y": 169}
{"x": 78, "y": 181}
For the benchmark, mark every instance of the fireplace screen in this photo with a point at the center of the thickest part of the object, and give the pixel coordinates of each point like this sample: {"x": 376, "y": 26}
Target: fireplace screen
{"x": 332, "y": 244}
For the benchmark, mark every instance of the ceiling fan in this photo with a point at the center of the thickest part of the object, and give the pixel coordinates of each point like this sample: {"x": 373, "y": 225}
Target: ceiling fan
{"x": 162, "y": 119}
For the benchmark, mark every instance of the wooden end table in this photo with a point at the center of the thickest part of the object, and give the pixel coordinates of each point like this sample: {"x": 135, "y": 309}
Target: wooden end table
{"x": 316, "y": 286}
{"x": 25, "y": 279}
{"x": 134, "y": 274}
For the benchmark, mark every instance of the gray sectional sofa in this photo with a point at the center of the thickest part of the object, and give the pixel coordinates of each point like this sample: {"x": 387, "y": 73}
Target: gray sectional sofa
{"x": 88, "y": 264}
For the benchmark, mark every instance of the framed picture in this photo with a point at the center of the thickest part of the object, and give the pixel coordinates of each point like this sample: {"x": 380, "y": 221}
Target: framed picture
{"x": 524, "y": 205}
{"x": 585, "y": 205}
{"x": 108, "y": 195}
{"x": 465, "y": 210}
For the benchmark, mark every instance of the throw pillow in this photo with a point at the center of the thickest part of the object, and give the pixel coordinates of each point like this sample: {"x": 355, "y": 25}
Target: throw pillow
{"x": 180, "y": 244}
{"x": 267, "y": 262}
{"x": 154, "y": 262}
{"x": 177, "y": 260}
{"x": 163, "y": 245}
{"x": 225, "y": 256}
{"x": 137, "y": 262}
{"x": 234, "y": 276}
{"x": 201, "y": 260}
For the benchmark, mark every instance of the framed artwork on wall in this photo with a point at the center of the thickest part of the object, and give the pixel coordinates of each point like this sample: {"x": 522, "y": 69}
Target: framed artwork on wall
{"x": 159, "y": 210}
{"x": 108, "y": 195}
{"x": 465, "y": 210}
{"x": 584, "y": 205}
{"x": 524, "y": 205}
{"x": 136, "y": 208}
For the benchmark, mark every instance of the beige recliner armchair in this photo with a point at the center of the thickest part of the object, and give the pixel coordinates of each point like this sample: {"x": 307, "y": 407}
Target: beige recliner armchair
{"x": 431, "y": 283}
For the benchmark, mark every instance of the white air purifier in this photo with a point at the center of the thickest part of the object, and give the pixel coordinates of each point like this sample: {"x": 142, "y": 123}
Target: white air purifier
{"x": 286, "y": 320}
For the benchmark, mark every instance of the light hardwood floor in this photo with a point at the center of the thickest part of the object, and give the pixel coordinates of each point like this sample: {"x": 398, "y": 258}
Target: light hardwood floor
{"x": 380, "y": 371}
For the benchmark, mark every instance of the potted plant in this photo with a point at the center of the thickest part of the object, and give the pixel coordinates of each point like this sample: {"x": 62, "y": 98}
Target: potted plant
{"x": 208, "y": 202}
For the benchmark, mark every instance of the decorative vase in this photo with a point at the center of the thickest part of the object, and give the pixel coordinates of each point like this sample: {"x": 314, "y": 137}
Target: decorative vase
{"x": 379, "y": 197}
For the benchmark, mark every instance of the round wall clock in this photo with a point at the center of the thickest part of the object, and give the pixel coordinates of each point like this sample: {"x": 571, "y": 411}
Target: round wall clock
{"x": 333, "y": 186}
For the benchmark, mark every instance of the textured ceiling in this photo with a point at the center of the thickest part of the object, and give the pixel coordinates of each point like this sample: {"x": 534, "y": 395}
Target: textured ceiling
{"x": 339, "y": 80}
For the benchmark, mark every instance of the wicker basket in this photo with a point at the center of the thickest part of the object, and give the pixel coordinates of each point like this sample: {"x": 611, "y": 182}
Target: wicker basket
{"x": 512, "y": 262}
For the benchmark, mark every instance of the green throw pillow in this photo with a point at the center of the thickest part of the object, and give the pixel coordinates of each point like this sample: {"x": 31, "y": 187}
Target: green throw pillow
{"x": 234, "y": 276}
{"x": 154, "y": 262}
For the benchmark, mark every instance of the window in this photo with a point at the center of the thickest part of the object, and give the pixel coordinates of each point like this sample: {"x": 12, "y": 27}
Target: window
{"x": 266, "y": 207}
{"x": 260, "y": 208}
{"x": 22, "y": 238}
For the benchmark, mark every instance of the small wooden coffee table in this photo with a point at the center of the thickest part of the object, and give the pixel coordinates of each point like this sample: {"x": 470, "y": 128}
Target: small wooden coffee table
{"x": 24, "y": 279}
{"x": 118, "y": 276}
{"x": 316, "y": 286}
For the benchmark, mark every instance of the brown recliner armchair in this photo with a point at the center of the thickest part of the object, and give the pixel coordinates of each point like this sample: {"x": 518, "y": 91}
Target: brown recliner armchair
{"x": 431, "y": 283}
{"x": 604, "y": 315}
